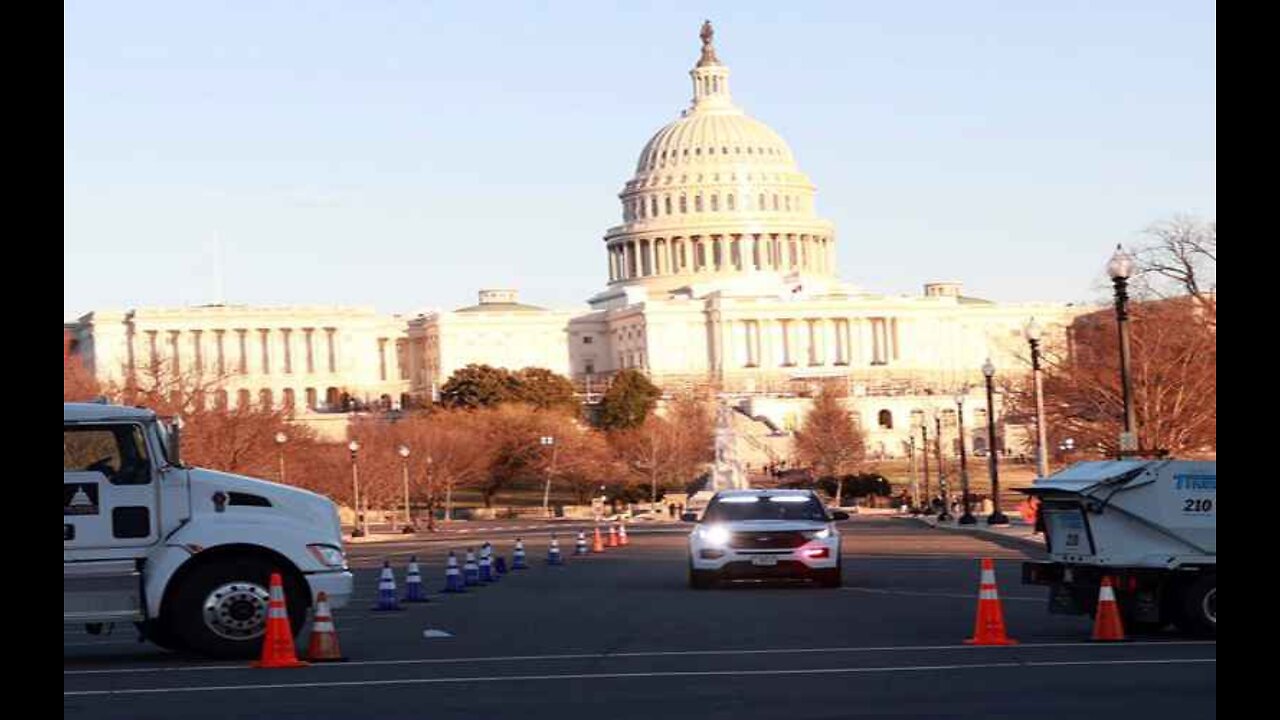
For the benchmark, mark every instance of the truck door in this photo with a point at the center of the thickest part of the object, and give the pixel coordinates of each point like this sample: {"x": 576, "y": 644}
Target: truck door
{"x": 109, "y": 490}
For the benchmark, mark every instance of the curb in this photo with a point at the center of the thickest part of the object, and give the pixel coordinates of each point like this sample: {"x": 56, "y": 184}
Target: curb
{"x": 1033, "y": 540}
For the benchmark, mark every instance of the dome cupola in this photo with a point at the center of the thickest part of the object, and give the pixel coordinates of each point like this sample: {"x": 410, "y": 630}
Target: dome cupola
{"x": 716, "y": 194}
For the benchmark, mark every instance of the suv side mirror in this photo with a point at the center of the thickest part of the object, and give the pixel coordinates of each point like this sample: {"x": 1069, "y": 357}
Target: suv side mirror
{"x": 839, "y": 515}
{"x": 689, "y": 517}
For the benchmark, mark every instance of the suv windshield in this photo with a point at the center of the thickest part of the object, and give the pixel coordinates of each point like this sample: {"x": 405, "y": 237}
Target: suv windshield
{"x": 778, "y": 507}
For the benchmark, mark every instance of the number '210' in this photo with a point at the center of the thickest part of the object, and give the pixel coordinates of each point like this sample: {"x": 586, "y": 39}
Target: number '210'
{"x": 1197, "y": 505}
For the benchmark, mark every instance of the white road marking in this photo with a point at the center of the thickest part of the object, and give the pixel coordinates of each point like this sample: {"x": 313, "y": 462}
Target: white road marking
{"x": 430, "y": 633}
{"x": 922, "y": 593}
{"x": 660, "y": 653}
{"x": 626, "y": 676}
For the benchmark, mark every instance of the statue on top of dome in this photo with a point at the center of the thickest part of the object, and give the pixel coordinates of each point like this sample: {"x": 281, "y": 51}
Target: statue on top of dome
{"x": 708, "y": 52}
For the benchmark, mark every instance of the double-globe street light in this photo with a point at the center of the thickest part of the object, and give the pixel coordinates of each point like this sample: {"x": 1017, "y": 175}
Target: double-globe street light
{"x": 966, "y": 517}
{"x": 548, "y": 441}
{"x": 996, "y": 517}
{"x": 1120, "y": 268}
{"x": 1033, "y": 332}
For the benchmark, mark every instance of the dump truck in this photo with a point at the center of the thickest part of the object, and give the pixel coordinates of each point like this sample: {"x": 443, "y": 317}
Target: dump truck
{"x": 183, "y": 552}
{"x": 1150, "y": 525}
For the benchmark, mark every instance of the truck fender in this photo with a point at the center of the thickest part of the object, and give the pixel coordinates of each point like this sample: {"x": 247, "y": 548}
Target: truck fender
{"x": 189, "y": 545}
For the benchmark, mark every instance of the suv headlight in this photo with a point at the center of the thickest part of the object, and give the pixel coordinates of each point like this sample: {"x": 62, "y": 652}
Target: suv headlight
{"x": 717, "y": 535}
{"x": 328, "y": 555}
{"x": 822, "y": 534}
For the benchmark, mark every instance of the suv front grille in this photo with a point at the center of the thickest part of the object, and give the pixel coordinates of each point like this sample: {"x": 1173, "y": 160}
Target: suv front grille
{"x": 766, "y": 540}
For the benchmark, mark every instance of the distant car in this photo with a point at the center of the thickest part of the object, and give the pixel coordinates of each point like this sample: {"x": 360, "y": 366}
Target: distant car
{"x": 751, "y": 534}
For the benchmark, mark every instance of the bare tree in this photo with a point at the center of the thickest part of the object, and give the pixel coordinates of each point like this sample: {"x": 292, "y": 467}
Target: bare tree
{"x": 828, "y": 440}
{"x": 1174, "y": 374}
{"x": 1180, "y": 258}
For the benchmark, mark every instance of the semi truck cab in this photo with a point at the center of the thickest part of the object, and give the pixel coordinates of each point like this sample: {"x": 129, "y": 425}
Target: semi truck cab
{"x": 185, "y": 553}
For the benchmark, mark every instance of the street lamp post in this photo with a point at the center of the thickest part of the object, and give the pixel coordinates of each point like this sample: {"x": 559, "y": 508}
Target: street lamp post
{"x": 549, "y": 441}
{"x": 358, "y": 530}
{"x": 966, "y": 517}
{"x": 1120, "y": 268}
{"x": 924, "y": 457}
{"x": 403, "y": 451}
{"x": 996, "y": 517}
{"x": 281, "y": 439}
{"x": 915, "y": 481}
{"x": 945, "y": 514}
{"x": 1033, "y": 333}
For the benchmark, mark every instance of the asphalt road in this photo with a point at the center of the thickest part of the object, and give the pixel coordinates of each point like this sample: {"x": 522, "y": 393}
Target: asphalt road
{"x": 621, "y": 636}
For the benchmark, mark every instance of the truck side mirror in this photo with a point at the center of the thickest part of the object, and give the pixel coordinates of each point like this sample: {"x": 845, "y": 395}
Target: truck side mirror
{"x": 689, "y": 517}
{"x": 174, "y": 451}
{"x": 837, "y": 515}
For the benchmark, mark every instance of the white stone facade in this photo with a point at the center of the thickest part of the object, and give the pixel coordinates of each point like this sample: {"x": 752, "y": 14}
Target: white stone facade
{"x": 306, "y": 358}
{"x": 721, "y": 273}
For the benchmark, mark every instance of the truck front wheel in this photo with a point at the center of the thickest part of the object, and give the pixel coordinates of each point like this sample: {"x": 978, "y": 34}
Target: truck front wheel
{"x": 220, "y": 610}
{"x": 1200, "y": 605}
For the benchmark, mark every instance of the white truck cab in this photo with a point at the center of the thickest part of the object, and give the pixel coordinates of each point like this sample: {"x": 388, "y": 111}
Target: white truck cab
{"x": 186, "y": 553}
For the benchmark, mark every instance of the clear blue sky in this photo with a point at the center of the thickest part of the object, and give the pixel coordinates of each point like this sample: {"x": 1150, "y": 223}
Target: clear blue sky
{"x": 404, "y": 154}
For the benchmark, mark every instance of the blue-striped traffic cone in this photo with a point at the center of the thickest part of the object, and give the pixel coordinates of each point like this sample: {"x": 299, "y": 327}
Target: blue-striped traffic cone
{"x": 413, "y": 590}
{"x": 553, "y": 552}
{"x": 453, "y": 582}
{"x": 470, "y": 571}
{"x": 486, "y": 563}
{"x": 499, "y": 566}
{"x": 580, "y": 547}
{"x": 517, "y": 556}
{"x": 387, "y": 589}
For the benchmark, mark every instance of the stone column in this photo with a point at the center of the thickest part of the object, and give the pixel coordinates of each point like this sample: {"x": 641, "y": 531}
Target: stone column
{"x": 648, "y": 255}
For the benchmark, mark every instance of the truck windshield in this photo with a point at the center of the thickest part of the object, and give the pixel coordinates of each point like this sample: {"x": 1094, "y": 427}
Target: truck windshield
{"x": 793, "y": 507}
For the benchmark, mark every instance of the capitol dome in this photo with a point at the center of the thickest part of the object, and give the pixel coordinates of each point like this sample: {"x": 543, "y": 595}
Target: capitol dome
{"x": 717, "y": 195}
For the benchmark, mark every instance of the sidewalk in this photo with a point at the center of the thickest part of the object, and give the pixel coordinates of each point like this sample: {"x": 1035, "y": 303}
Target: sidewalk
{"x": 1017, "y": 529}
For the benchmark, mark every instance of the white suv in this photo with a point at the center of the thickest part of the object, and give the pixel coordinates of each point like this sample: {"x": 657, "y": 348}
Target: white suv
{"x": 764, "y": 534}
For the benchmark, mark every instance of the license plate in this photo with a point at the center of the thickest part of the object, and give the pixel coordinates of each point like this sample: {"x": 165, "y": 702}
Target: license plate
{"x": 764, "y": 560}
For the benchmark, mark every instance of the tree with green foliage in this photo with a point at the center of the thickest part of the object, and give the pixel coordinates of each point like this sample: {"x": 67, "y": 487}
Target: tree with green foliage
{"x": 545, "y": 390}
{"x": 476, "y": 386}
{"x": 628, "y": 401}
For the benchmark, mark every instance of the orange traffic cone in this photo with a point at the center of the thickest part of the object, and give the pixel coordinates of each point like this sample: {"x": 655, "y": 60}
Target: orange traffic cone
{"x": 277, "y": 648}
{"x": 622, "y": 535}
{"x": 1106, "y": 624}
{"x": 324, "y": 636}
{"x": 597, "y": 545}
{"x": 988, "y": 627}
{"x": 613, "y": 536}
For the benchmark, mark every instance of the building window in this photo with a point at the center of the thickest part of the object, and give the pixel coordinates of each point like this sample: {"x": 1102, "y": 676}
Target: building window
{"x": 288, "y": 398}
{"x": 729, "y": 201}
{"x": 775, "y": 203}
{"x": 684, "y": 204}
{"x": 761, "y": 205}
{"x": 242, "y": 400}
{"x": 653, "y": 206}
{"x": 587, "y": 340}
{"x": 715, "y": 203}
{"x": 885, "y": 418}
{"x": 589, "y": 368}
{"x": 697, "y": 203}
{"x": 667, "y": 203}
{"x": 311, "y": 398}
{"x": 264, "y": 399}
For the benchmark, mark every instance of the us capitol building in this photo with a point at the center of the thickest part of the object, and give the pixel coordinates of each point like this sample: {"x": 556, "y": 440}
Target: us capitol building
{"x": 720, "y": 273}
